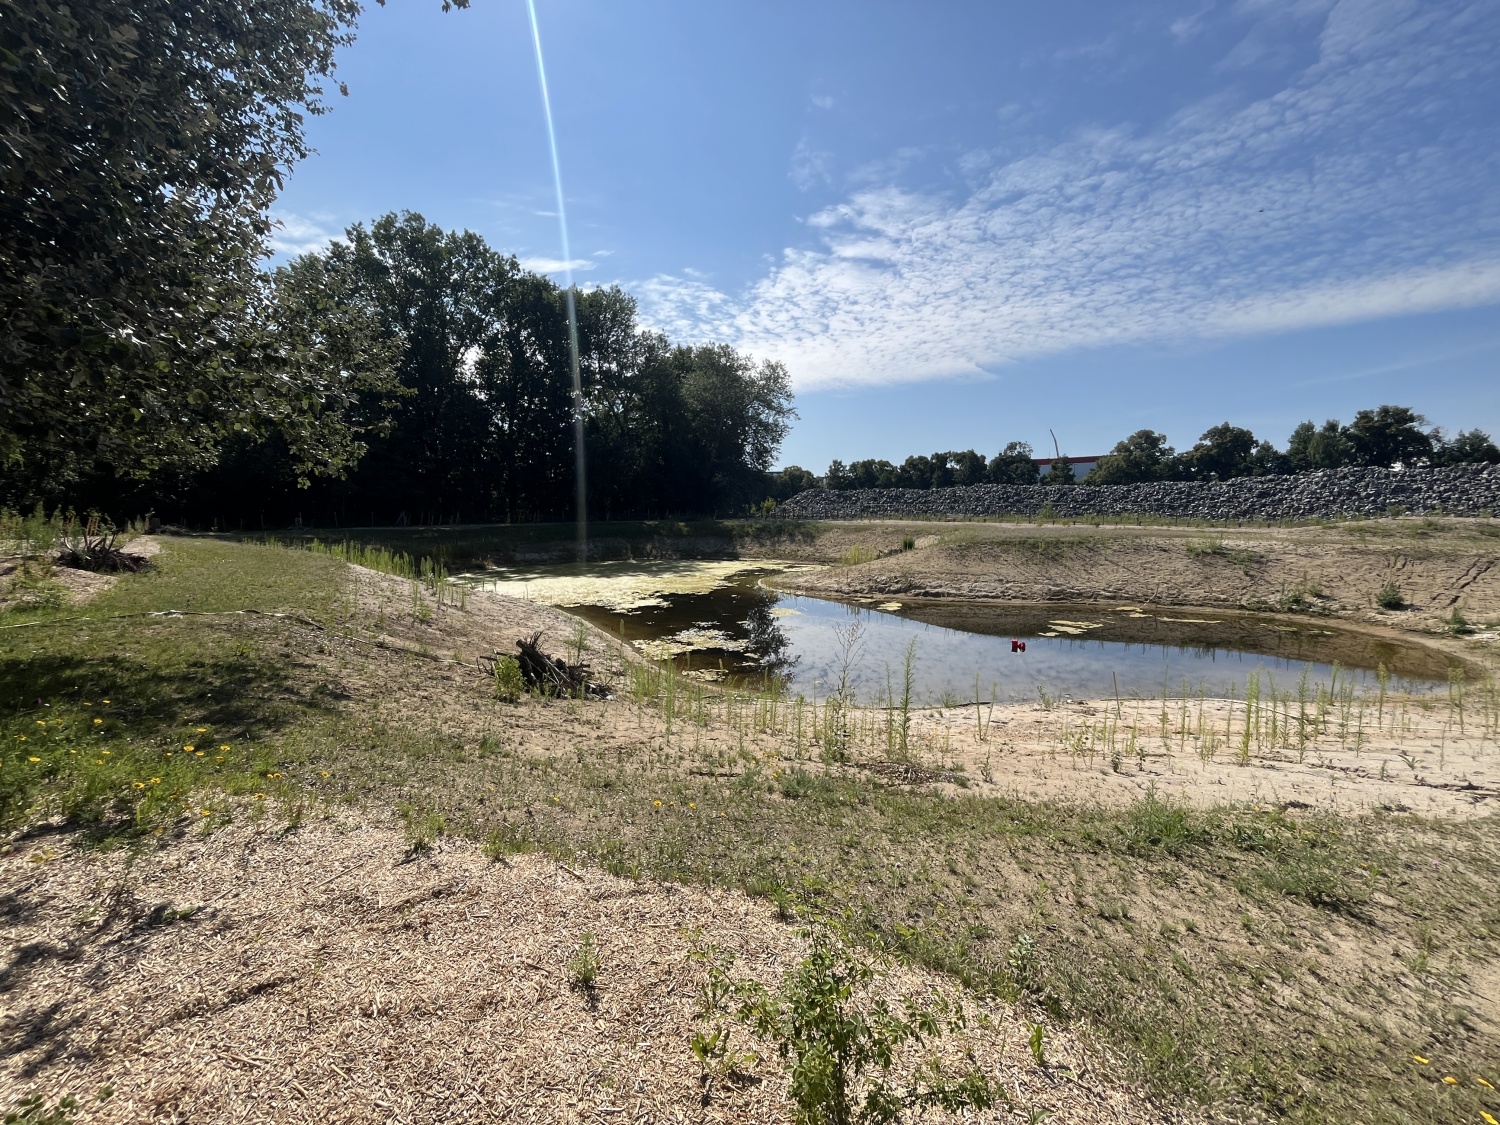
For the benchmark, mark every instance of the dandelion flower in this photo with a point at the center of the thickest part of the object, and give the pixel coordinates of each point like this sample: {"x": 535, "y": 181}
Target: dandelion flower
{"x": 202, "y": 730}
{"x": 103, "y": 701}
{"x": 225, "y": 747}
{"x": 1450, "y": 1080}
{"x": 189, "y": 749}
{"x": 22, "y": 737}
{"x": 38, "y": 760}
{"x": 691, "y": 805}
{"x": 324, "y": 773}
{"x": 657, "y": 804}
{"x": 156, "y": 781}
{"x": 1488, "y": 1119}
{"x": 138, "y": 784}
{"x": 200, "y": 753}
{"x": 260, "y": 796}
{"x": 1421, "y": 1060}
{"x": 206, "y": 812}
{"x": 97, "y": 720}
{"x": 106, "y": 753}
{"x": 41, "y": 722}
{"x": 1483, "y": 1083}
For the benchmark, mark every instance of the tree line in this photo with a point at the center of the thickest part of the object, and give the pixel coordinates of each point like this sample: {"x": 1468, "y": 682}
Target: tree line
{"x": 1384, "y": 436}
{"x": 149, "y": 360}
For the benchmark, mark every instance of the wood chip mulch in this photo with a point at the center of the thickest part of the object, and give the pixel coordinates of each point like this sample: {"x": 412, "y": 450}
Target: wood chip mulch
{"x": 324, "y": 974}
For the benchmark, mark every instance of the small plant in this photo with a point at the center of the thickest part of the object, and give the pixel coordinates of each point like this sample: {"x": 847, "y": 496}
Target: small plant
{"x": 33, "y": 1110}
{"x": 855, "y": 556}
{"x": 908, "y": 543}
{"x": 1389, "y": 596}
{"x": 423, "y": 828}
{"x": 583, "y": 966}
{"x": 1036, "y": 1040}
{"x": 1197, "y": 548}
{"x": 1458, "y": 624}
{"x": 841, "y": 1043}
{"x": 510, "y": 684}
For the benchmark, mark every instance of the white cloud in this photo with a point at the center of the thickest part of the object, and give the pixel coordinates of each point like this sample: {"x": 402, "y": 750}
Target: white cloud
{"x": 557, "y": 265}
{"x": 810, "y": 166}
{"x": 301, "y": 234}
{"x": 1360, "y": 190}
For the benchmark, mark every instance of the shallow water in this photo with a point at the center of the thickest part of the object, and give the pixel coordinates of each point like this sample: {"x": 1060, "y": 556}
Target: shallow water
{"x": 717, "y": 622}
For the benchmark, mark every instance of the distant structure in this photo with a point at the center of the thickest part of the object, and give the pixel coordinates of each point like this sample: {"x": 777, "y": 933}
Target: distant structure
{"x": 1082, "y": 466}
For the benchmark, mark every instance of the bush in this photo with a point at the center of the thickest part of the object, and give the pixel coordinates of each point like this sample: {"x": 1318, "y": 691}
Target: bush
{"x": 840, "y": 1042}
{"x": 1389, "y": 596}
{"x": 509, "y": 682}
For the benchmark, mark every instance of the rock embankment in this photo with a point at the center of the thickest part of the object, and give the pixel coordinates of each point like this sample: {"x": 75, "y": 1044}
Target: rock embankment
{"x": 1460, "y": 490}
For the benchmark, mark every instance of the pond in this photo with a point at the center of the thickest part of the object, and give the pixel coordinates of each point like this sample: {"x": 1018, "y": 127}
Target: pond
{"x": 718, "y": 622}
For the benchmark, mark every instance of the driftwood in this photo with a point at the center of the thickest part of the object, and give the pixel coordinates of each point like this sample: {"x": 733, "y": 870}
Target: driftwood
{"x": 96, "y": 550}
{"x": 550, "y": 675}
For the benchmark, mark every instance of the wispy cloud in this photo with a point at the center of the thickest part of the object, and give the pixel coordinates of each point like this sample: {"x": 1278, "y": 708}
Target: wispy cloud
{"x": 1360, "y": 190}
{"x": 302, "y": 234}
{"x": 557, "y": 265}
{"x": 810, "y": 166}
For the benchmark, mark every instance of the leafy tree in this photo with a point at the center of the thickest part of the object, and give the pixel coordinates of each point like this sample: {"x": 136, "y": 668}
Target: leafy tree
{"x": 783, "y": 485}
{"x": 837, "y": 477}
{"x": 1389, "y": 434}
{"x": 872, "y": 474}
{"x": 1268, "y": 461}
{"x": 145, "y": 140}
{"x": 1311, "y": 447}
{"x": 1224, "y": 451}
{"x": 968, "y": 467}
{"x": 922, "y": 472}
{"x": 1013, "y": 465}
{"x": 1061, "y": 472}
{"x": 1470, "y": 447}
{"x": 1143, "y": 456}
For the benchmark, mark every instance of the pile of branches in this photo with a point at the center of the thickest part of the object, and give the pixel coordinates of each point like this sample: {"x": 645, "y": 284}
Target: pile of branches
{"x": 551, "y": 675}
{"x": 97, "y": 550}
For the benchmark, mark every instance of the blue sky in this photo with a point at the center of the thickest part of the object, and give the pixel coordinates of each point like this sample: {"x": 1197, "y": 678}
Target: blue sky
{"x": 961, "y": 224}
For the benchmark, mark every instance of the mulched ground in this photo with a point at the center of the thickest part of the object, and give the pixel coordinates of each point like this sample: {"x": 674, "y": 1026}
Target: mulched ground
{"x": 326, "y": 974}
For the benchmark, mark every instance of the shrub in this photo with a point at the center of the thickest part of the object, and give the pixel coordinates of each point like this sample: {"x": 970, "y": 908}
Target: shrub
{"x": 840, "y": 1042}
{"x": 1389, "y": 596}
{"x": 583, "y": 966}
{"x": 509, "y": 682}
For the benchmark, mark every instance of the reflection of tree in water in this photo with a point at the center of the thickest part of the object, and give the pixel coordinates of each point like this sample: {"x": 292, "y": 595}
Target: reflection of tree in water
{"x": 767, "y": 642}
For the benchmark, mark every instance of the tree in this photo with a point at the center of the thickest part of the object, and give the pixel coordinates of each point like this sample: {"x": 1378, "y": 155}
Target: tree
{"x": 145, "y": 140}
{"x": 1143, "y": 456}
{"x": 790, "y": 481}
{"x": 1470, "y": 447}
{"x": 1224, "y": 451}
{"x": 872, "y": 474}
{"x": 1389, "y": 434}
{"x": 837, "y": 476}
{"x": 1013, "y": 465}
{"x": 1310, "y": 447}
{"x": 1061, "y": 472}
{"x": 968, "y": 467}
{"x": 1268, "y": 461}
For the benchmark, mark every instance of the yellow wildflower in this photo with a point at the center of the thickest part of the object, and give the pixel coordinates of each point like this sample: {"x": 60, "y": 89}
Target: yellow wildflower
{"x": 1488, "y": 1119}
{"x": 202, "y": 730}
{"x": 655, "y": 803}
{"x": 1421, "y": 1060}
{"x": 138, "y": 784}
{"x": 106, "y": 753}
{"x": 1483, "y": 1083}
{"x": 1450, "y": 1080}
{"x": 156, "y": 781}
{"x": 224, "y": 747}
{"x": 200, "y": 753}
{"x": 98, "y": 720}
{"x": 38, "y": 760}
{"x": 189, "y": 749}
{"x": 103, "y": 701}
{"x": 325, "y": 774}
{"x": 260, "y": 796}
{"x": 206, "y": 812}
{"x": 41, "y": 722}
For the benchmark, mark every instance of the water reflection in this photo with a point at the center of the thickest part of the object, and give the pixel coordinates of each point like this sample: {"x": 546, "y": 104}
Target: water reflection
{"x": 742, "y": 633}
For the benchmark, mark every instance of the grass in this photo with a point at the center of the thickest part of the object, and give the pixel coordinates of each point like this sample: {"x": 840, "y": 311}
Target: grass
{"x": 1287, "y": 967}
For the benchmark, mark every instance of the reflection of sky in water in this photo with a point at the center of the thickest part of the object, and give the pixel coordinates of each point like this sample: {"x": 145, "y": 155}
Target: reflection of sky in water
{"x": 947, "y": 660}
{"x": 795, "y": 639}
